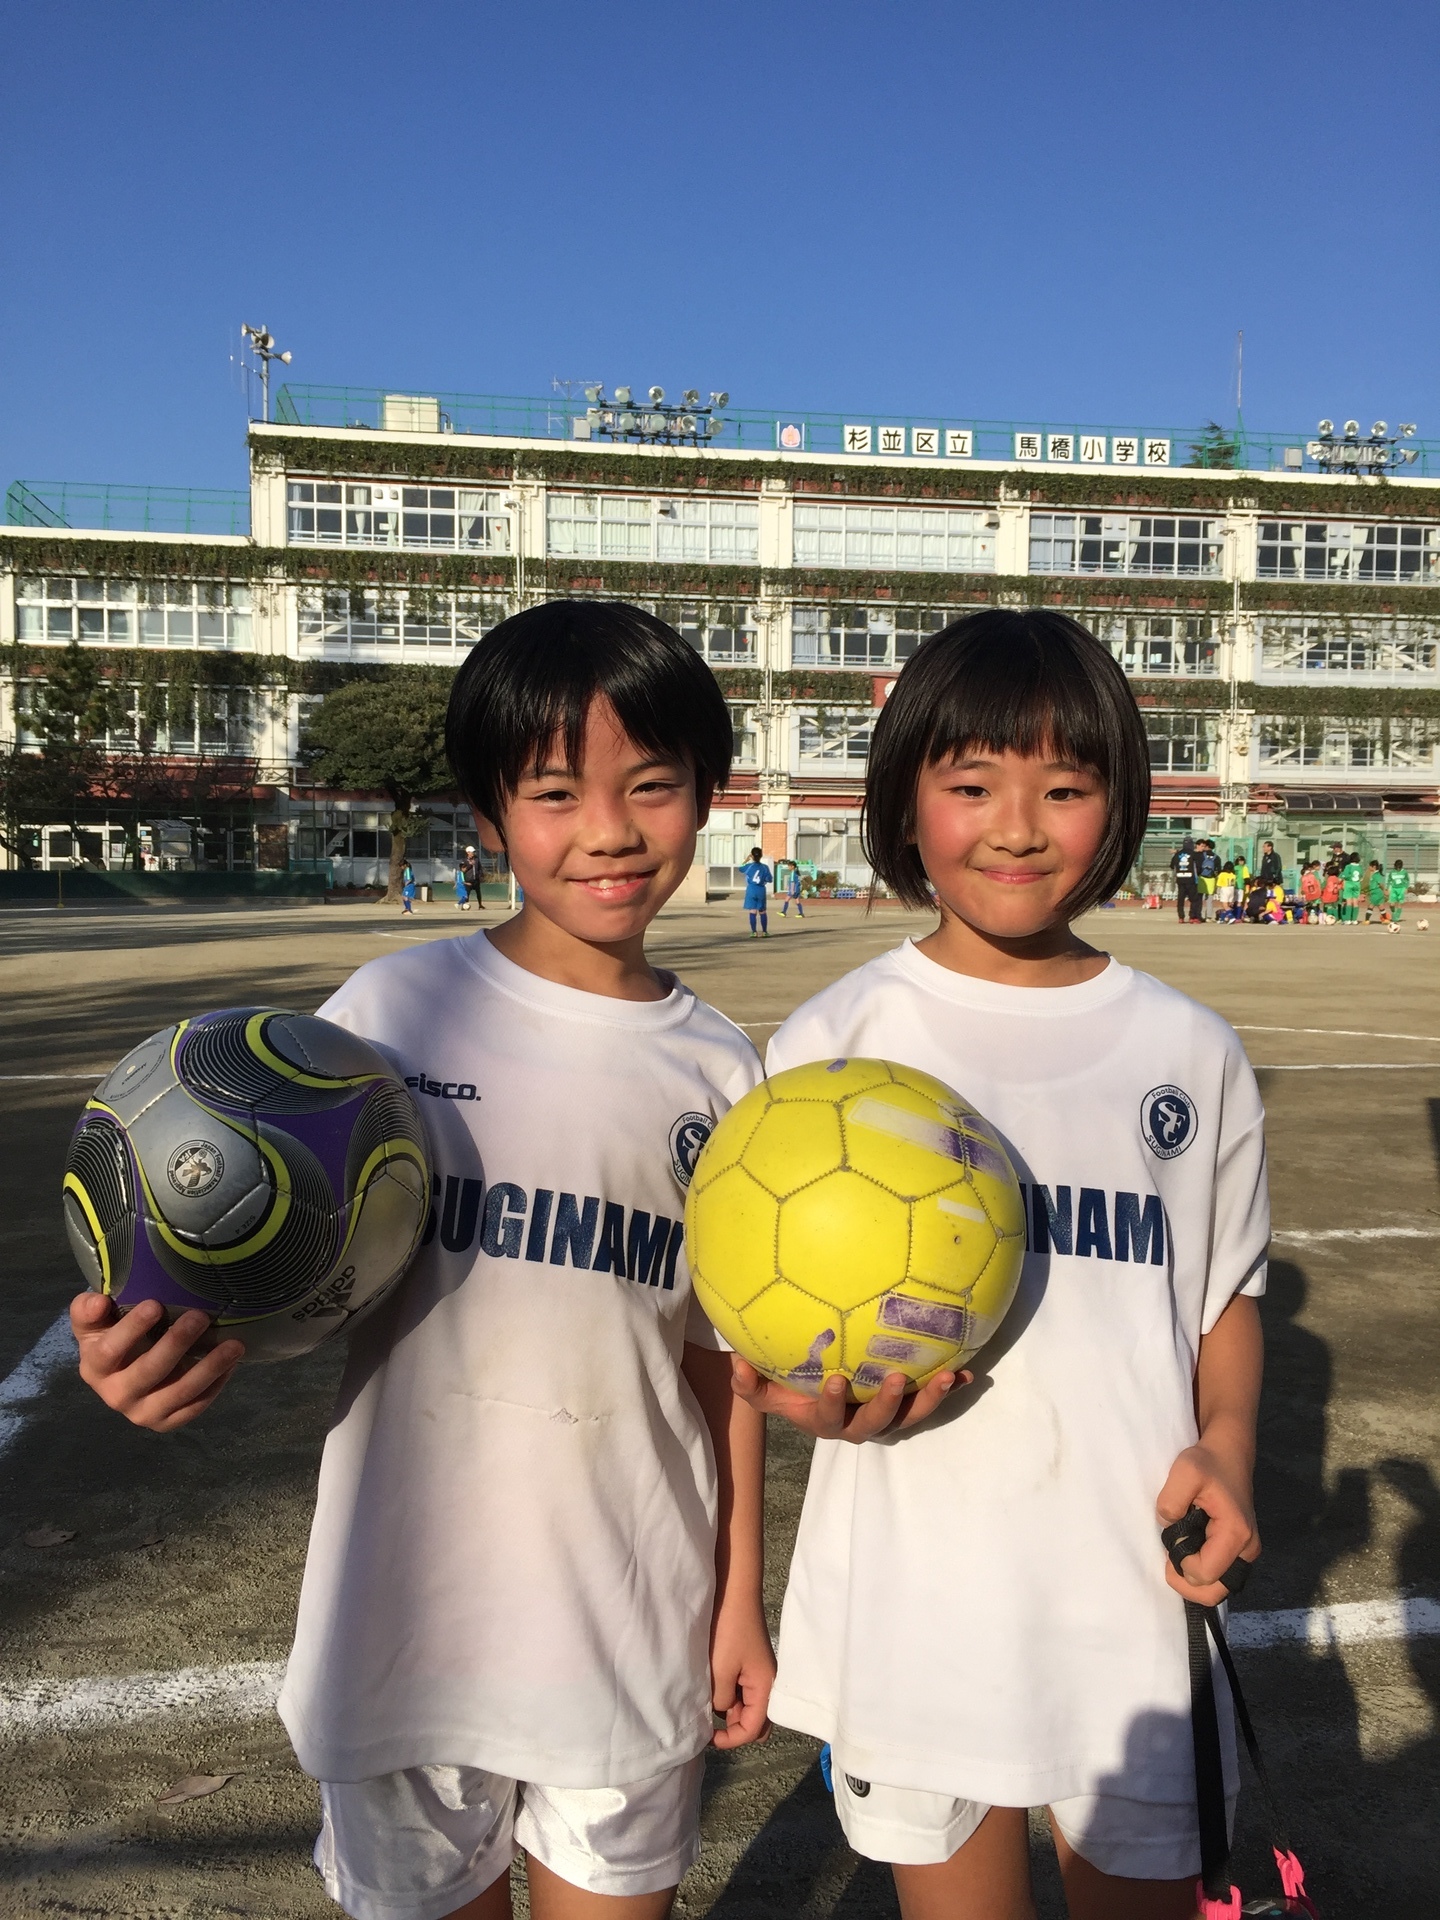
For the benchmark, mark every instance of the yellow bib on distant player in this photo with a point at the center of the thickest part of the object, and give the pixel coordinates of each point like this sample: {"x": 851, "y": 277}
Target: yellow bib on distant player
{"x": 855, "y": 1217}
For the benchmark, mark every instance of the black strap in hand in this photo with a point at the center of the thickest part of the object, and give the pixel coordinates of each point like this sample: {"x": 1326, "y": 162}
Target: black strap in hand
{"x": 1202, "y": 1624}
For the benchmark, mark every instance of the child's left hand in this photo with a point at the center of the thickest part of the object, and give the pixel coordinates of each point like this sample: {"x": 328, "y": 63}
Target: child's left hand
{"x": 742, "y": 1671}
{"x": 1216, "y": 1477}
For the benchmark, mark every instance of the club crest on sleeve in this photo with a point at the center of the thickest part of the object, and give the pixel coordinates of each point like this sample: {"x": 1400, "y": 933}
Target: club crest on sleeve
{"x": 687, "y": 1137}
{"x": 1168, "y": 1121}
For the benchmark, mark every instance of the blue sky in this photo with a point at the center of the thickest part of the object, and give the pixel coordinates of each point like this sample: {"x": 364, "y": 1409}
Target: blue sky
{"x": 1036, "y": 211}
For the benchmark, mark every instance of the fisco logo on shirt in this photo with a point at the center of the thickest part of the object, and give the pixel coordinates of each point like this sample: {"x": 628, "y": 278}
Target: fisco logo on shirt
{"x": 442, "y": 1089}
{"x": 558, "y": 1230}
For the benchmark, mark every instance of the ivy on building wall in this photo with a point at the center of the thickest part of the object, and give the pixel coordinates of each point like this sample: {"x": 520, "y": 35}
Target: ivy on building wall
{"x": 1317, "y": 702}
{"x": 576, "y": 463}
{"x": 798, "y": 683}
{"x": 356, "y": 567}
{"x": 643, "y": 579}
{"x": 394, "y": 459}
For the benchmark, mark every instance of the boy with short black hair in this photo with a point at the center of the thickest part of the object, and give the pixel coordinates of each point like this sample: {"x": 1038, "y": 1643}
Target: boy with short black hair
{"x": 535, "y": 1563}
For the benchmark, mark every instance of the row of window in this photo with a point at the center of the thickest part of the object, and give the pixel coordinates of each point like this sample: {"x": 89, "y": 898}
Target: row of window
{"x": 340, "y": 621}
{"x": 222, "y": 720}
{"x": 1347, "y": 550}
{"x": 1123, "y": 543}
{"x": 335, "y": 514}
{"x": 1185, "y": 743}
{"x": 580, "y": 526}
{"x": 344, "y": 622}
{"x": 129, "y": 613}
{"x": 921, "y": 539}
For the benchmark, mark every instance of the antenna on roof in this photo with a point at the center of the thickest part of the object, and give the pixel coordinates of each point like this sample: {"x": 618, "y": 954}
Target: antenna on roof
{"x": 262, "y": 345}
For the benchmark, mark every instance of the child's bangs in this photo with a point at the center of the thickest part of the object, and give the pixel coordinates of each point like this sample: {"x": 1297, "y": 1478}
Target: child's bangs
{"x": 525, "y": 695}
{"x": 1045, "y": 715}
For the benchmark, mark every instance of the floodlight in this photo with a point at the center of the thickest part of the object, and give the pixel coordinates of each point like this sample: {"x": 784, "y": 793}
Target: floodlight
{"x": 1407, "y": 427}
{"x": 1379, "y": 430}
{"x": 657, "y": 394}
{"x": 1352, "y": 429}
{"x": 690, "y": 398}
{"x": 1327, "y": 426}
{"x": 720, "y": 399}
{"x": 593, "y": 393}
{"x": 626, "y": 423}
{"x": 622, "y": 396}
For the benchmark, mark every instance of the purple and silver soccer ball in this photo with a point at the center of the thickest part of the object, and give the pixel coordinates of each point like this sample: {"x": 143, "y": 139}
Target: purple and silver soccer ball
{"x": 269, "y": 1168}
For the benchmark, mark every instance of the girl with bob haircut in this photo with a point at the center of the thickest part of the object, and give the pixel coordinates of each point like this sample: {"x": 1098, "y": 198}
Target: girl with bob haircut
{"x": 980, "y": 1615}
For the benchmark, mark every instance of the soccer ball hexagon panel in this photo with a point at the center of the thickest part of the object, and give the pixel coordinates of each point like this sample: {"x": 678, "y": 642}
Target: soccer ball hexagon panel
{"x": 267, "y": 1167}
{"x": 854, "y": 1217}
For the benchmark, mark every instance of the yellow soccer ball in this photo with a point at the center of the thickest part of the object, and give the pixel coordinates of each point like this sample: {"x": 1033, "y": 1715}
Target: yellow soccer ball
{"x": 855, "y": 1217}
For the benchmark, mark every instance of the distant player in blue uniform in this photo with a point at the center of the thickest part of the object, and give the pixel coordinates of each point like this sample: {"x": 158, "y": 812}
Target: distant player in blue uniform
{"x": 792, "y": 892}
{"x": 757, "y": 878}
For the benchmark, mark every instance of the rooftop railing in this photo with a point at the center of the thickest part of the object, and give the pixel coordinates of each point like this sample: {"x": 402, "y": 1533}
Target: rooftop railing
{"x": 80, "y": 505}
{"x": 1063, "y": 446}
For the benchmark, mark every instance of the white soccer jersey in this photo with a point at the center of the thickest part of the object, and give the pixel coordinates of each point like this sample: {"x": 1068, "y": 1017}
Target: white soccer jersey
{"x": 979, "y": 1607}
{"x": 512, "y": 1560}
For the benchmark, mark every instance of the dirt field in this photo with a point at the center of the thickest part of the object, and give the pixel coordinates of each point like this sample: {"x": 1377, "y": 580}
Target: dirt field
{"x": 187, "y": 1550}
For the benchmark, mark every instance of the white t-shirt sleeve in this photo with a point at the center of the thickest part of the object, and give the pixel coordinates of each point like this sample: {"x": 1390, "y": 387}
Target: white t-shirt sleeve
{"x": 1240, "y": 1207}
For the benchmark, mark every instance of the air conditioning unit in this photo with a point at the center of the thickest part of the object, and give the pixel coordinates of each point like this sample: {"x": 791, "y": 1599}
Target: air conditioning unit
{"x": 752, "y": 819}
{"x": 411, "y": 413}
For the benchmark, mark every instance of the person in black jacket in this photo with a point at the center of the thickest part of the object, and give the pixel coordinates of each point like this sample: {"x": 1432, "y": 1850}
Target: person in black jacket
{"x": 1271, "y": 871}
{"x": 1187, "y": 884}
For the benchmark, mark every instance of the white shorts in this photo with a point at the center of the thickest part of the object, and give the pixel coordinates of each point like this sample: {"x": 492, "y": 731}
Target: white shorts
{"x": 418, "y": 1844}
{"x": 1133, "y": 1839}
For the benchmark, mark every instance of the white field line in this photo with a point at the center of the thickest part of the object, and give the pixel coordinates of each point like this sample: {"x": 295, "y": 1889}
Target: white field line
{"x": 98, "y": 1074}
{"x": 1350, "y": 1623}
{"x": 1346, "y": 1033}
{"x": 247, "y": 1690}
{"x": 1350, "y": 1066}
{"x": 28, "y": 1381}
{"x": 1304, "y": 1236}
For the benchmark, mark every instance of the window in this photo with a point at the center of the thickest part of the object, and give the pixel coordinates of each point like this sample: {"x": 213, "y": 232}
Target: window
{"x": 1122, "y": 543}
{"x": 724, "y": 633}
{"x": 1159, "y": 645}
{"x": 1312, "y": 646}
{"x": 128, "y": 613}
{"x": 339, "y": 621}
{"x": 1347, "y": 550}
{"x": 861, "y": 637}
{"x": 832, "y": 846}
{"x": 922, "y": 539}
{"x": 836, "y": 739}
{"x": 718, "y": 530}
{"x": 623, "y": 527}
{"x": 349, "y": 514}
{"x": 1344, "y": 743}
{"x": 1181, "y": 742}
{"x": 742, "y": 720}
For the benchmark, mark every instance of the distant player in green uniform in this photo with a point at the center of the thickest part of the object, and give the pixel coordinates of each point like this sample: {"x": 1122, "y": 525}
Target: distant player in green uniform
{"x": 1397, "y": 885}
{"x": 1375, "y": 892}
{"x": 1350, "y": 891}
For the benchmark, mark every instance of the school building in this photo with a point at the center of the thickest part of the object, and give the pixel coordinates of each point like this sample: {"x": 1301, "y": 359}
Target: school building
{"x": 1275, "y": 604}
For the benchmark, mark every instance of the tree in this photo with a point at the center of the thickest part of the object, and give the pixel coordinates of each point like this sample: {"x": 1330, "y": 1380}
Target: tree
{"x": 67, "y": 710}
{"x": 385, "y": 736}
{"x": 1214, "y": 448}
